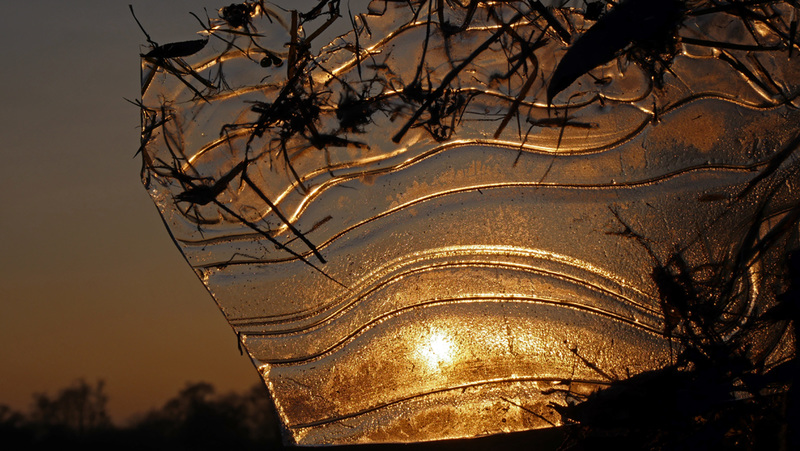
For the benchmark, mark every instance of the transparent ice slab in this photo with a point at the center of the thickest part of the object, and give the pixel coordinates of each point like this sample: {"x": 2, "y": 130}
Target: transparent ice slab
{"x": 420, "y": 228}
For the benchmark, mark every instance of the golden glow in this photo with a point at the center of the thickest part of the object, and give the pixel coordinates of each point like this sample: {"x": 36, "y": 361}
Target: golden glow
{"x": 437, "y": 349}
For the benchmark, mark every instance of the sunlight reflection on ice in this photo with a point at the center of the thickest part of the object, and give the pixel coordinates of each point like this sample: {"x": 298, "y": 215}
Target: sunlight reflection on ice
{"x": 437, "y": 350}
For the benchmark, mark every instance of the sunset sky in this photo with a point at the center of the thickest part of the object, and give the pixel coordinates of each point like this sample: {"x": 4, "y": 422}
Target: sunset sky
{"x": 92, "y": 286}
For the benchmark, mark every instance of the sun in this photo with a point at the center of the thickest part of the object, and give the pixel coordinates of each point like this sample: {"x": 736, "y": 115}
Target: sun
{"x": 437, "y": 349}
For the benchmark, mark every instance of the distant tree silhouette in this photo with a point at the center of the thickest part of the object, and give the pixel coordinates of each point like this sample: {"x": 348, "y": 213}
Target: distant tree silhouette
{"x": 78, "y": 408}
{"x": 260, "y": 415}
{"x": 12, "y": 427}
{"x": 195, "y": 419}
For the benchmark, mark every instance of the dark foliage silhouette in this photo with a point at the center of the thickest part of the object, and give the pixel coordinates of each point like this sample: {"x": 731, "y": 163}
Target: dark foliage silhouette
{"x": 196, "y": 418}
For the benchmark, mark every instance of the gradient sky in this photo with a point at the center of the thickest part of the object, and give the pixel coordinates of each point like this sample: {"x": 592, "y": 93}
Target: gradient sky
{"x": 90, "y": 282}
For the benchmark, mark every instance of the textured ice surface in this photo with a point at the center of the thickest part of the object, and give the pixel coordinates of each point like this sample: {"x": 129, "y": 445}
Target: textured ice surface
{"x": 413, "y": 244}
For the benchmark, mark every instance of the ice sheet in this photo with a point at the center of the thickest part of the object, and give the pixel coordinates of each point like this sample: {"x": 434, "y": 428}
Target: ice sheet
{"x": 421, "y": 228}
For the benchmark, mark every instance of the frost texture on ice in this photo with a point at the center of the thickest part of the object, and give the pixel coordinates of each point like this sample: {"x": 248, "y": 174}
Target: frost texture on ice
{"x": 416, "y": 236}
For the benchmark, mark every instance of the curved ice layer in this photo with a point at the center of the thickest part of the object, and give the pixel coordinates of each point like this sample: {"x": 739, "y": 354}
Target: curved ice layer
{"x": 414, "y": 242}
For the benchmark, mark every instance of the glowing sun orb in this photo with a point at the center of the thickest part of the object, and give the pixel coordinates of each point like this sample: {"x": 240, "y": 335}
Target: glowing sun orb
{"x": 437, "y": 349}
